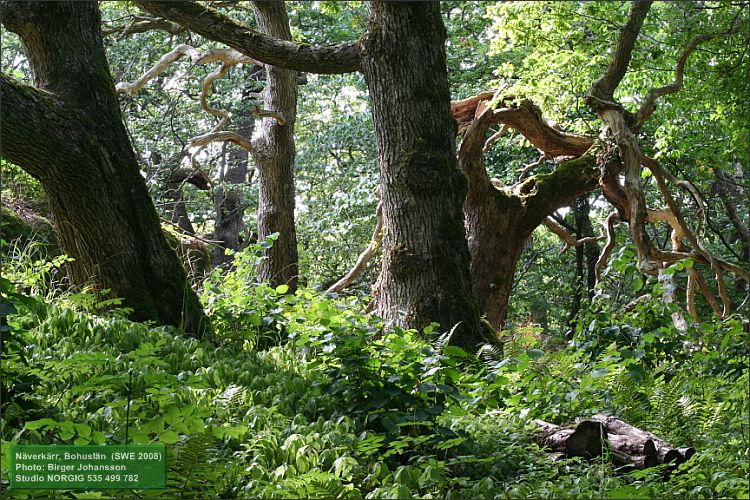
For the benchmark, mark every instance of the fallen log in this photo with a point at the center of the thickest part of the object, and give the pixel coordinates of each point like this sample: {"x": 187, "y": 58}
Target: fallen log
{"x": 632, "y": 439}
{"x": 686, "y": 453}
{"x": 628, "y": 445}
{"x": 586, "y": 440}
{"x": 639, "y": 461}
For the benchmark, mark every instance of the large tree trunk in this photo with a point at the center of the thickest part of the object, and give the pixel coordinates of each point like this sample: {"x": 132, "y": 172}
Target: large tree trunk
{"x": 274, "y": 154}
{"x": 72, "y": 139}
{"x": 425, "y": 274}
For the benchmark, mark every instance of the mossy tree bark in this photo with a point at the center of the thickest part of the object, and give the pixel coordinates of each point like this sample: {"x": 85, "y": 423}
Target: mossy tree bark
{"x": 68, "y": 133}
{"x": 425, "y": 274}
{"x": 499, "y": 220}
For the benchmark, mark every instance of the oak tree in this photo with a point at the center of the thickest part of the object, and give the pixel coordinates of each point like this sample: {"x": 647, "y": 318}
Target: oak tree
{"x": 67, "y": 131}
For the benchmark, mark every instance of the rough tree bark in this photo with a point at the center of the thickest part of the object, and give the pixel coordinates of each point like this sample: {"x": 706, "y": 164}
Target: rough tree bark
{"x": 274, "y": 152}
{"x": 68, "y": 133}
{"x": 425, "y": 275}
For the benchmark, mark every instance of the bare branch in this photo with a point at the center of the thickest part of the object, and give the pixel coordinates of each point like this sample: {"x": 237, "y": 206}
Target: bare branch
{"x": 728, "y": 193}
{"x": 604, "y": 87}
{"x": 716, "y": 264}
{"x": 630, "y": 153}
{"x": 465, "y": 111}
{"x": 569, "y": 240}
{"x": 649, "y": 104}
{"x": 226, "y": 56}
{"x": 204, "y": 140}
{"x": 365, "y": 256}
{"x": 211, "y": 24}
{"x": 609, "y": 229}
{"x": 263, "y": 113}
{"x": 525, "y": 117}
{"x": 142, "y": 24}
{"x": 705, "y": 290}
{"x": 531, "y": 165}
{"x": 471, "y": 149}
{"x": 494, "y": 137}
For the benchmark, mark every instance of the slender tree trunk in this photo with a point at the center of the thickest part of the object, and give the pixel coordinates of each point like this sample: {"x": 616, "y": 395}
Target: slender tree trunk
{"x": 591, "y": 250}
{"x": 425, "y": 274}
{"x": 229, "y": 202}
{"x": 575, "y": 305}
{"x": 71, "y": 137}
{"x": 586, "y": 257}
{"x": 274, "y": 155}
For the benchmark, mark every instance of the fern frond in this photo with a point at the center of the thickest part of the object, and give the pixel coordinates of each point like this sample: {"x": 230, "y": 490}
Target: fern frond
{"x": 194, "y": 466}
{"x": 490, "y": 354}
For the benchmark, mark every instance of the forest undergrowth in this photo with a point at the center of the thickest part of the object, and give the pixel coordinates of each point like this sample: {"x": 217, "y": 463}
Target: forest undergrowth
{"x": 305, "y": 396}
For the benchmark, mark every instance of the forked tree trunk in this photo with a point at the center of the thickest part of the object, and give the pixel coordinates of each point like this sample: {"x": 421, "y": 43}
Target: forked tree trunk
{"x": 71, "y": 137}
{"x": 425, "y": 274}
{"x": 274, "y": 155}
{"x": 499, "y": 220}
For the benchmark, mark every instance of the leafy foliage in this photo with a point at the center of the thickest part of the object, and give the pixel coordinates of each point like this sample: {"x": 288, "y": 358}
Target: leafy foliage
{"x": 341, "y": 409}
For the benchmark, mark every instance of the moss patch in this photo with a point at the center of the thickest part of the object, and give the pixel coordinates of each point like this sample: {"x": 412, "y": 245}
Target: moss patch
{"x": 26, "y": 227}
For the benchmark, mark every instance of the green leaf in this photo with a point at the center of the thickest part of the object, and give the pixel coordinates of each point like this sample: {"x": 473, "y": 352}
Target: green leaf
{"x": 38, "y": 424}
{"x": 169, "y": 437}
{"x": 535, "y": 353}
{"x": 454, "y": 351}
{"x": 638, "y": 283}
{"x": 600, "y": 372}
{"x": 83, "y": 430}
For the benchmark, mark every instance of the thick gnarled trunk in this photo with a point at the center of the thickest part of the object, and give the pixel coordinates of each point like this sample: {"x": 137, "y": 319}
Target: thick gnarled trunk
{"x": 425, "y": 275}
{"x": 496, "y": 241}
{"x": 499, "y": 220}
{"x": 72, "y": 139}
